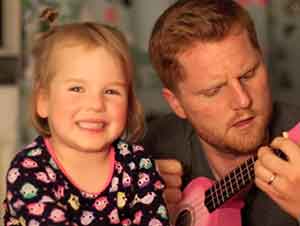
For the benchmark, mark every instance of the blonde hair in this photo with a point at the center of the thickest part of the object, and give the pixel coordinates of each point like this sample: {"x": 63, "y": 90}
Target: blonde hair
{"x": 188, "y": 22}
{"x": 91, "y": 35}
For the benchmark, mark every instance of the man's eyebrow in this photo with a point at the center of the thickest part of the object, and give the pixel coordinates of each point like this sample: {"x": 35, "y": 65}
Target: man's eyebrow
{"x": 211, "y": 87}
{"x": 252, "y": 68}
{"x": 219, "y": 84}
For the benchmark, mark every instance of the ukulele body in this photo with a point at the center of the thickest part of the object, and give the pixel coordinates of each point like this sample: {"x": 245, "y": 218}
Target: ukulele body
{"x": 193, "y": 212}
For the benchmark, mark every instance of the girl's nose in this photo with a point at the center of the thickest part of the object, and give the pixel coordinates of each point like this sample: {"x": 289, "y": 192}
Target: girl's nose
{"x": 96, "y": 102}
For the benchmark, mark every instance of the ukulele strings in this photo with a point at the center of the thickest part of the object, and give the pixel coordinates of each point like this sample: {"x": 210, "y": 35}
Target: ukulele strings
{"x": 233, "y": 182}
{"x": 248, "y": 167}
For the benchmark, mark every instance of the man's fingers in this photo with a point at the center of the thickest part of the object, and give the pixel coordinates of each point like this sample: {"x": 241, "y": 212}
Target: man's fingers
{"x": 172, "y": 209}
{"x": 288, "y": 147}
{"x": 172, "y": 195}
{"x": 169, "y": 166}
{"x": 172, "y": 180}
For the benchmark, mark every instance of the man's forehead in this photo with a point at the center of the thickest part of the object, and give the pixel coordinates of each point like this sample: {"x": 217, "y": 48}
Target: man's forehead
{"x": 206, "y": 54}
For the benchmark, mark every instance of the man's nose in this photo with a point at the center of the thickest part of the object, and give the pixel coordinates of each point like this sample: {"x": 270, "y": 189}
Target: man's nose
{"x": 240, "y": 96}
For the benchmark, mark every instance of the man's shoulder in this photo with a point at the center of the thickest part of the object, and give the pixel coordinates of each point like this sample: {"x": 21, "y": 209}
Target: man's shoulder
{"x": 287, "y": 108}
{"x": 167, "y": 136}
{"x": 169, "y": 125}
{"x": 285, "y": 116}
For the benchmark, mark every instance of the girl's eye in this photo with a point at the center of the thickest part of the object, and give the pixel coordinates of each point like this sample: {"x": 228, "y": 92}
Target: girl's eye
{"x": 112, "y": 92}
{"x": 76, "y": 89}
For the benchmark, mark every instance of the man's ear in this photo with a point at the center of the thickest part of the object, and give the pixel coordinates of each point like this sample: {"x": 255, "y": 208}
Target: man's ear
{"x": 173, "y": 102}
{"x": 42, "y": 104}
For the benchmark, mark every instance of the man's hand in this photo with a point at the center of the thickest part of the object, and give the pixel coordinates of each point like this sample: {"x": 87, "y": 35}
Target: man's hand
{"x": 278, "y": 178}
{"x": 171, "y": 171}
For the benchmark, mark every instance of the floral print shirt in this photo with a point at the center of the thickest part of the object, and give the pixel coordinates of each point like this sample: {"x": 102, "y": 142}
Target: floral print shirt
{"x": 39, "y": 192}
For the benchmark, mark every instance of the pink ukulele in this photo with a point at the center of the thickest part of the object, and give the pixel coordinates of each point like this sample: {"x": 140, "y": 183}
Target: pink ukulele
{"x": 209, "y": 203}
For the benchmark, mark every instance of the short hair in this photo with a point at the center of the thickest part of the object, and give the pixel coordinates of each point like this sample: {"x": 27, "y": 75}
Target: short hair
{"x": 91, "y": 35}
{"x": 188, "y": 22}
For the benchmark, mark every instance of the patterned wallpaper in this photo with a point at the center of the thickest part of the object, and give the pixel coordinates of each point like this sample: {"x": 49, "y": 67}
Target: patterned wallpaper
{"x": 284, "y": 37}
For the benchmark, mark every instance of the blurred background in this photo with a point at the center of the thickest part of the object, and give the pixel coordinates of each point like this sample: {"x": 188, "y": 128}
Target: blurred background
{"x": 277, "y": 23}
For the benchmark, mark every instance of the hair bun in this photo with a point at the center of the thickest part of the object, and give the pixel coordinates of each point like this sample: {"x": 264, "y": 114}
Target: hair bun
{"x": 49, "y": 15}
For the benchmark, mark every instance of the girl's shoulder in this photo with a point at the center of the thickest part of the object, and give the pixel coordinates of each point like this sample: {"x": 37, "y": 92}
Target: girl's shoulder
{"x": 32, "y": 161}
{"x": 31, "y": 152}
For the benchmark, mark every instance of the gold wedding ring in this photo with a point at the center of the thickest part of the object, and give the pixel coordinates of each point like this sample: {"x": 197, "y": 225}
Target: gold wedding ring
{"x": 272, "y": 178}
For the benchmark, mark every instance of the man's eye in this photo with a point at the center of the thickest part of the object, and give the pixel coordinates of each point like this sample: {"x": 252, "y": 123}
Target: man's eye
{"x": 248, "y": 75}
{"x": 76, "y": 89}
{"x": 211, "y": 92}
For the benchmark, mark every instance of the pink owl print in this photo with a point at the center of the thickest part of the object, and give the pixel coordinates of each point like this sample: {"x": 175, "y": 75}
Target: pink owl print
{"x": 137, "y": 148}
{"x": 29, "y": 163}
{"x": 59, "y": 193}
{"x": 36, "y": 209}
{"x": 13, "y": 175}
{"x": 57, "y": 215}
{"x": 131, "y": 165}
{"x": 33, "y": 222}
{"x": 155, "y": 222}
{"x": 126, "y": 180}
{"x": 114, "y": 184}
{"x": 100, "y": 203}
{"x": 46, "y": 198}
{"x": 148, "y": 198}
{"x": 126, "y": 222}
{"x": 118, "y": 167}
{"x": 138, "y": 217}
{"x": 87, "y": 217}
{"x": 18, "y": 204}
{"x": 114, "y": 216}
{"x": 51, "y": 174}
{"x": 42, "y": 176}
{"x": 158, "y": 185}
{"x": 9, "y": 196}
{"x": 144, "y": 180}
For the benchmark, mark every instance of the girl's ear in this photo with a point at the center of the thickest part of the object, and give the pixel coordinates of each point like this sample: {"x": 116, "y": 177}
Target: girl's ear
{"x": 42, "y": 104}
{"x": 173, "y": 102}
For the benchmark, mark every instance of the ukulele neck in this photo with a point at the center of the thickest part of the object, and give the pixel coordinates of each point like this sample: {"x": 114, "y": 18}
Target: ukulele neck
{"x": 231, "y": 184}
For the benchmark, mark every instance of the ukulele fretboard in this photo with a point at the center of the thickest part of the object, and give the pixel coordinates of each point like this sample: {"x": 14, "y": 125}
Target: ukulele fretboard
{"x": 228, "y": 186}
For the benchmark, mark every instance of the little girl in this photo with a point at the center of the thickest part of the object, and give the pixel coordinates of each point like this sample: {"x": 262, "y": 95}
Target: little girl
{"x": 79, "y": 171}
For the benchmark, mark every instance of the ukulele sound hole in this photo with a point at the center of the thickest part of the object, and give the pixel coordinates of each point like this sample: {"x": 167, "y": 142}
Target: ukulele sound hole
{"x": 184, "y": 218}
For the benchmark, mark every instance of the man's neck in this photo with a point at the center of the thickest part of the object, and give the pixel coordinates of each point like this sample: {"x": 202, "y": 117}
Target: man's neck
{"x": 221, "y": 163}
